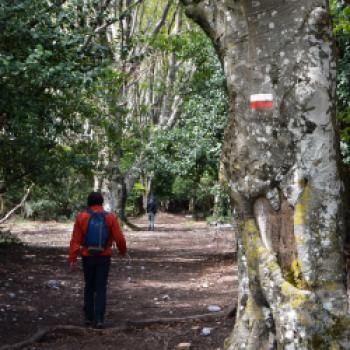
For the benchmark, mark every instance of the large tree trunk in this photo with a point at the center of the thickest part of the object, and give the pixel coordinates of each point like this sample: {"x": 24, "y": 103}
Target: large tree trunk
{"x": 114, "y": 192}
{"x": 116, "y": 186}
{"x": 281, "y": 164}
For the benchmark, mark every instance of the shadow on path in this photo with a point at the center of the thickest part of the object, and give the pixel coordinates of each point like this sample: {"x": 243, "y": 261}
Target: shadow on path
{"x": 172, "y": 273}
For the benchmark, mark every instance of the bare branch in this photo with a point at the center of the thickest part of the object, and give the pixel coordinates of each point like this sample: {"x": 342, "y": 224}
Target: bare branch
{"x": 12, "y": 211}
{"x": 174, "y": 114}
{"x": 161, "y": 22}
{"x": 108, "y": 22}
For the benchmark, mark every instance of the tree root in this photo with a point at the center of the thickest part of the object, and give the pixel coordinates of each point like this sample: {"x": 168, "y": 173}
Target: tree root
{"x": 229, "y": 313}
{"x": 42, "y": 332}
{"x": 129, "y": 224}
{"x": 77, "y": 330}
{"x": 132, "y": 226}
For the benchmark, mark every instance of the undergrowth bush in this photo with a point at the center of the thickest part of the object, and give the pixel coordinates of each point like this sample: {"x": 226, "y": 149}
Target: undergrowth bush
{"x": 7, "y": 238}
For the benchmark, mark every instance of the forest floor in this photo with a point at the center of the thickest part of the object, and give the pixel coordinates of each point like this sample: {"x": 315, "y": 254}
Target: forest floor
{"x": 175, "y": 271}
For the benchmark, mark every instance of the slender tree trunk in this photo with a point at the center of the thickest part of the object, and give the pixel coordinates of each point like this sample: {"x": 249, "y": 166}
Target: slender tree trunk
{"x": 280, "y": 156}
{"x": 148, "y": 185}
{"x": 169, "y": 98}
{"x": 120, "y": 197}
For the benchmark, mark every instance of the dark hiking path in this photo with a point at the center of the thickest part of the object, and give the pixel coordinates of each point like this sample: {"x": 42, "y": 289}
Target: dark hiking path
{"x": 178, "y": 270}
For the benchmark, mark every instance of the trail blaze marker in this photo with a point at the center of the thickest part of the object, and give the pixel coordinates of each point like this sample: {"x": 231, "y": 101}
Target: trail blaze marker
{"x": 261, "y": 101}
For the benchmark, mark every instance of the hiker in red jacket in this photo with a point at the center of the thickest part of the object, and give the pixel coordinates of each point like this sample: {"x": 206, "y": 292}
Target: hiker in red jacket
{"x": 93, "y": 234}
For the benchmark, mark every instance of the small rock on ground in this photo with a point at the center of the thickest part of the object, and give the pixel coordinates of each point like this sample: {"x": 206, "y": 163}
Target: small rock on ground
{"x": 184, "y": 346}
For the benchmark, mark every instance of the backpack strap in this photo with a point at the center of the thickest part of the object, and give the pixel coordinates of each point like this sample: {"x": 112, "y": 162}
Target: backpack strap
{"x": 91, "y": 212}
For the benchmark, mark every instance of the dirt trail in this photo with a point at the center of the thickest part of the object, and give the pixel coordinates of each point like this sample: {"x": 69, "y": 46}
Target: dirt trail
{"x": 177, "y": 270}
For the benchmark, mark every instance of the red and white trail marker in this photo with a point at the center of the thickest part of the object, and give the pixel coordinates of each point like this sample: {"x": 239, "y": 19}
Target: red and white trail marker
{"x": 261, "y": 101}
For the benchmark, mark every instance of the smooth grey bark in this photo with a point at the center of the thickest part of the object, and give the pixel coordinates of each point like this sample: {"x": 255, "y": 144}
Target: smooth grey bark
{"x": 282, "y": 167}
{"x": 169, "y": 107}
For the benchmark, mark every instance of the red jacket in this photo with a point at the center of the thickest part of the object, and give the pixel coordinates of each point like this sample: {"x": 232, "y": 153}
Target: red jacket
{"x": 80, "y": 229}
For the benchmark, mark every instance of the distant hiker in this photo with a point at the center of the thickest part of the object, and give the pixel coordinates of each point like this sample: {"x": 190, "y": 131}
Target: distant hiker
{"x": 93, "y": 234}
{"x": 151, "y": 210}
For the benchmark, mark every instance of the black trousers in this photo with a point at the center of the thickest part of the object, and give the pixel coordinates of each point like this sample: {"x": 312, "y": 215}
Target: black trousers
{"x": 96, "y": 269}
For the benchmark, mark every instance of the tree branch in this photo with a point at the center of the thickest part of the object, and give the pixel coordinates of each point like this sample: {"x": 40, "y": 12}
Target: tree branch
{"x": 108, "y": 23}
{"x": 199, "y": 14}
{"x": 12, "y": 211}
{"x": 161, "y": 22}
{"x": 137, "y": 59}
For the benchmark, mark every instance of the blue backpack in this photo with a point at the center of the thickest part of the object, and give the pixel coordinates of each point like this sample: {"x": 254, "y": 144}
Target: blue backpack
{"x": 97, "y": 234}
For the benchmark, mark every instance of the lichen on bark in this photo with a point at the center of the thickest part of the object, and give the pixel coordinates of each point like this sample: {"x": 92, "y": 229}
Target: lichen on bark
{"x": 281, "y": 165}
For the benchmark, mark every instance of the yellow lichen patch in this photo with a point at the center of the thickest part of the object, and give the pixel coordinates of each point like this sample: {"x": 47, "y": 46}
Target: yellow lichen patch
{"x": 296, "y": 269}
{"x": 254, "y": 309}
{"x": 273, "y": 266}
{"x": 252, "y": 257}
{"x": 262, "y": 250}
{"x": 287, "y": 289}
{"x": 299, "y": 239}
{"x": 252, "y": 260}
{"x": 299, "y": 214}
{"x": 298, "y": 300}
{"x": 251, "y": 240}
{"x": 228, "y": 341}
{"x": 251, "y": 237}
{"x": 302, "y": 207}
{"x": 254, "y": 238}
{"x": 294, "y": 296}
{"x": 236, "y": 166}
{"x": 334, "y": 346}
{"x": 250, "y": 226}
{"x": 331, "y": 286}
{"x": 301, "y": 182}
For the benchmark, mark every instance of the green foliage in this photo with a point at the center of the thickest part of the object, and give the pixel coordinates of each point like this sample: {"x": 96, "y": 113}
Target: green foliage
{"x": 183, "y": 188}
{"x": 191, "y": 151}
{"x": 222, "y": 208}
{"x": 341, "y": 24}
{"x": 8, "y": 239}
{"x": 134, "y": 202}
{"x": 47, "y": 85}
{"x": 341, "y": 16}
{"x": 191, "y": 45}
{"x": 345, "y": 150}
{"x": 61, "y": 199}
{"x": 162, "y": 184}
